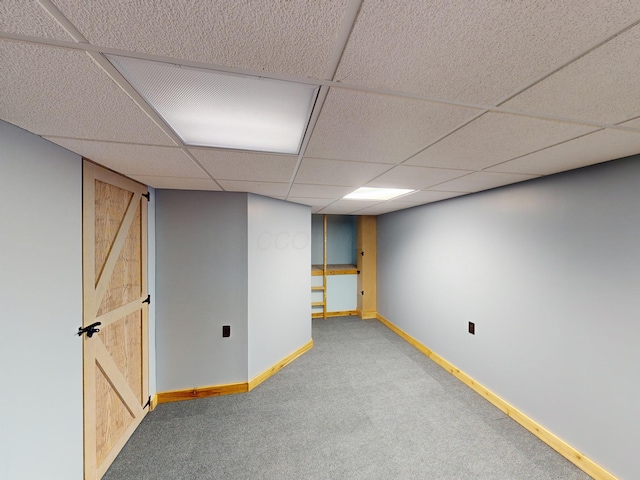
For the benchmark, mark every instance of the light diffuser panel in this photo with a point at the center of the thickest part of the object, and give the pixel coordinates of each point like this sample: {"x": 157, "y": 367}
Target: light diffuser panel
{"x": 214, "y": 109}
{"x": 370, "y": 193}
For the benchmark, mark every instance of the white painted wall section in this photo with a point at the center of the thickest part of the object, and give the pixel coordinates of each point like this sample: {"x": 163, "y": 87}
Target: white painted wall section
{"x": 279, "y": 258}
{"x": 341, "y": 293}
{"x": 201, "y": 285}
{"x": 40, "y": 308}
{"x": 548, "y": 271}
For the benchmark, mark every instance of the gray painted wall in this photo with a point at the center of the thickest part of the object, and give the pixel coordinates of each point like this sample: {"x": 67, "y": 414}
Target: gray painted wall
{"x": 549, "y": 272}
{"x": 279, "y": 285}
{"x": 40, "y": 308}
{"x": 316, "y": 239}
{"x": 342, "y": 293}
{"x": 201, "y": 285}
{"x": 341, "y": 239}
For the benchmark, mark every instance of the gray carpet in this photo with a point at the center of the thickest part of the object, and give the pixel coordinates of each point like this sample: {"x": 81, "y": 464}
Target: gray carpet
{"x": 362, "y": 404}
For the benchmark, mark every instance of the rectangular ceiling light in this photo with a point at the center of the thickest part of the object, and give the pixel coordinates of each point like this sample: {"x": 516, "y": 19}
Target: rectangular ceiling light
{"x": 215, "y": 109}
{"x": 370, "y": 193}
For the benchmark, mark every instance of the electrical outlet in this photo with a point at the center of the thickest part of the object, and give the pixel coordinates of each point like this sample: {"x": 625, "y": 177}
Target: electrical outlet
{"x": 472, "y": 328}
{"x": 226, "y": 330}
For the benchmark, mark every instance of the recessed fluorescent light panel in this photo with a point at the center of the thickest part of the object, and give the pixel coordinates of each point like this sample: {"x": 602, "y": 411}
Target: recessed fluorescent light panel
{"x": 369, "y": 193}
{"x": 215, "y": 109}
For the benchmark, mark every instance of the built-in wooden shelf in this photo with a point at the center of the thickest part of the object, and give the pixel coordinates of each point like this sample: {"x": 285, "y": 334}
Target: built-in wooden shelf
{"x": 334, "y": 269}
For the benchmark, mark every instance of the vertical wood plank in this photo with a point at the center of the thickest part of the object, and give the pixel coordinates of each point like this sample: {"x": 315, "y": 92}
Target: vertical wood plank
{"x": 144, "y": 212}
{"x": 324, "y": 266}
{"x": 88, "y": 299}
{"x": 367, "y": 265}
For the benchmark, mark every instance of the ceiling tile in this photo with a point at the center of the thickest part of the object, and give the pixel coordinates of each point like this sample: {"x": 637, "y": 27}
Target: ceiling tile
{"x": 403, "y": 176}
{"x": 276, "y": 36}
{"x": 335, "y": 172}
{"x": 29, "y": 18}
{"x": 62, "y": 93}
{"x": 475, "y": 52}
{"x": 261, "y": 188}
{"x": 312, "y": 202}
{"x": 319, "y": 191}
{"x": 172, "y": 183}
{"x": 387, "y": 207}
{"x": 594, "y": 148}
{"x": 135, "y": 159}
{"x": 246, "y": 166}
{"x": 427, "y": 196}
{"x": 348, "y": 207}
{"x": 368, "y": 127}
{"x": 495, "y": 138}
{"x": 477, "y": 181}
{"x": 607, "y": 77}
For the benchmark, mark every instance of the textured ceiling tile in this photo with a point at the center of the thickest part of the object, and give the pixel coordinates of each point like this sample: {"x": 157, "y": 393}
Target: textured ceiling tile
{"x": 335, "y": 172}
{"x": 472, "y": 51}
{"x": 601, "y": 87}
{"x": 29, "y": 18}
{"x": 171, "y": 183}
{"x": 261, "y": 188}
{"x": 495, "y": 138}
{"x": 588, "y": 150}
{"x": 319, "y": 191}
{"x": 477, "y": 181}
{"x": 312, "y": 202}
{"x": 415, "y": 177}
{"x": 253, "y": 167}
{"x": 62, "y": 93}
{"x": 427, "y": 196}
{"x": 367, "y": 127}
{"x": 386, "y": 207}
{"x": 294, "y": 37}
{"x": 348, "y": 207}
{"x": 135, "y": 159}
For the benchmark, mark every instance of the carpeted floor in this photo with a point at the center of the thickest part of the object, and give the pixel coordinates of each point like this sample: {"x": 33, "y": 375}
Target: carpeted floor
{"x": 362, "y": 404}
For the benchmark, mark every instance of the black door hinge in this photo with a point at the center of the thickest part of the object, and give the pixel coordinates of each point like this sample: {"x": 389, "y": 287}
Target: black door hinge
{"x": 362, "y": 292}
{"x": 148, "y": 404}
{"x": 362, "y": 253}
{"x": 90, "y": 330}
{"x": 147, "y": 196}
{"x": 147, "y": 300}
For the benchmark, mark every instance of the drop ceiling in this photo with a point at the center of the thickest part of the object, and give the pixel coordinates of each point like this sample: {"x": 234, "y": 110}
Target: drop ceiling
{"x": 445, "y": 97}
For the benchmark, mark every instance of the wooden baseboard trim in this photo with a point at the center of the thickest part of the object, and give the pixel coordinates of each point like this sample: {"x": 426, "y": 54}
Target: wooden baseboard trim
{"x": 202, "y": 392}
{"x": 217, "y": 390}
{"x": 370, "y": 315}
{"x": 345, "y": 313}
{"x": 585, "y": 464}
{"x": 253, "y": 383}
{"x": 154, "y": 402}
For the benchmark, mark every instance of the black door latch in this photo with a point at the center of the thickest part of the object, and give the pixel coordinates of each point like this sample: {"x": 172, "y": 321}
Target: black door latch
{"x": 90, "y": 330}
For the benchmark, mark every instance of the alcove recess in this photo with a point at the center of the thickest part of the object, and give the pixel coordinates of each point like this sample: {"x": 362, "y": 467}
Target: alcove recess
{"x": 343, "y": 270}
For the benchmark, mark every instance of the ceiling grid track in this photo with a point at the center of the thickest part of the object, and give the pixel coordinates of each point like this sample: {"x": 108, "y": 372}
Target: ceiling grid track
{"x": 346, "y": 28}
{"x": 327, "y": 83}
{"x": 122, "y": 83}
{"x": 401, "y": 94}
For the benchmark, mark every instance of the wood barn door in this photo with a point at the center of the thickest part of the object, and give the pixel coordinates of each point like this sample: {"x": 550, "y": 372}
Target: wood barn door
{"x": 115, "y": 359}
